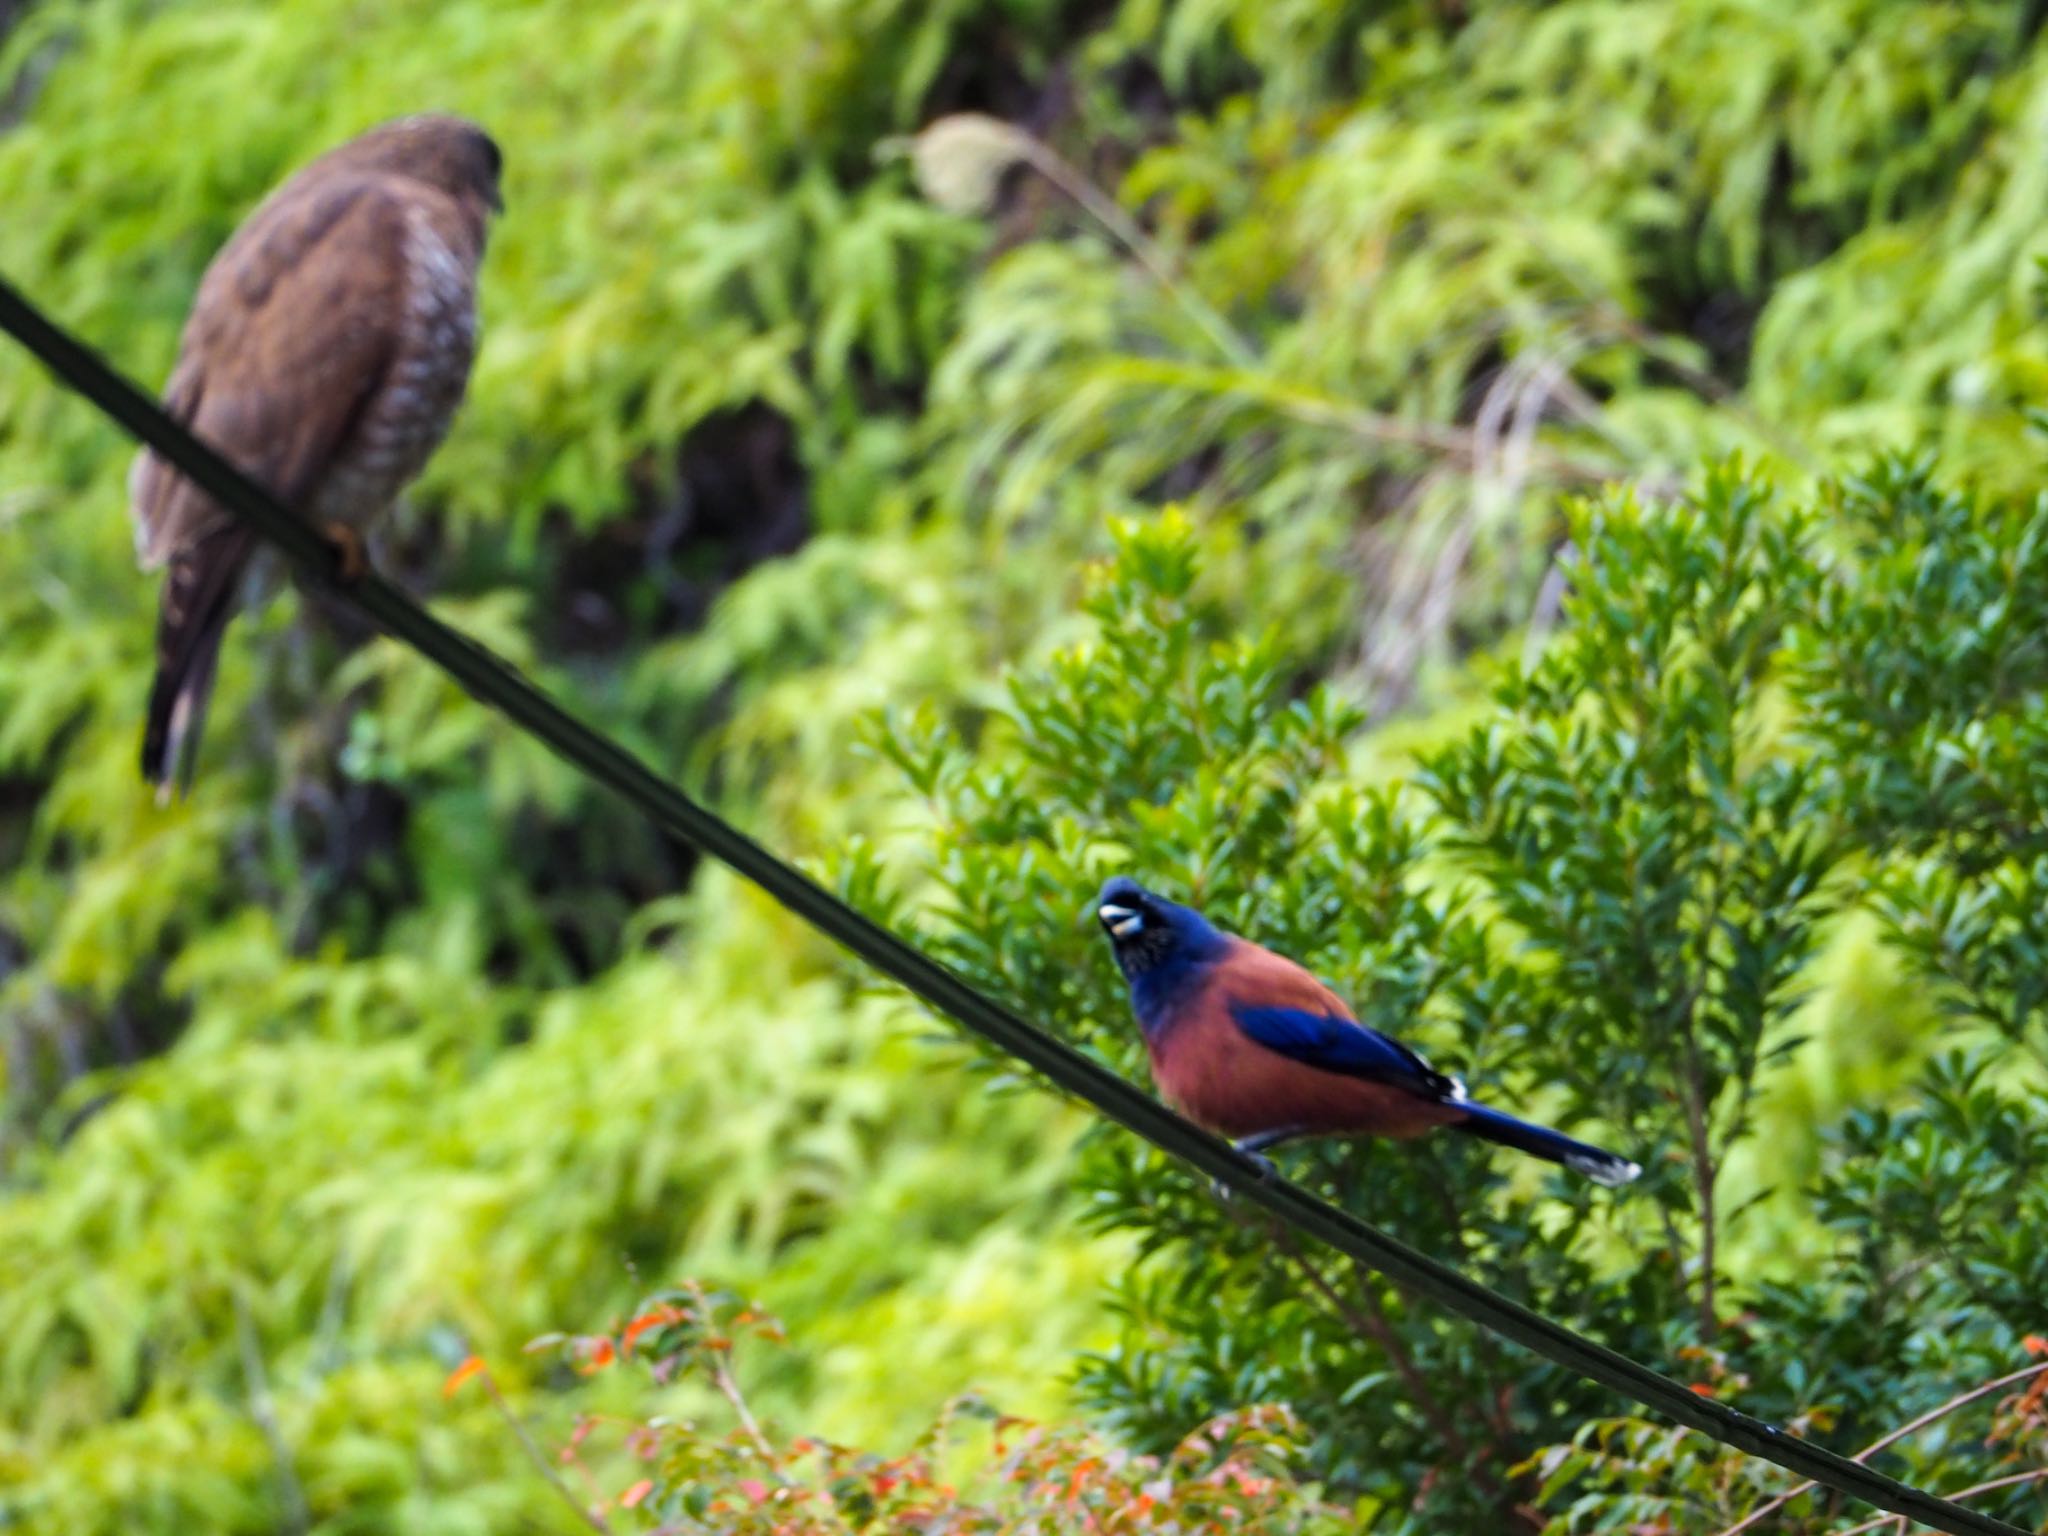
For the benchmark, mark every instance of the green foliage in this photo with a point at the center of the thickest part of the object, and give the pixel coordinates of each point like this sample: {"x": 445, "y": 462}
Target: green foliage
{"x": 1658, "y": 857}
{"x": 451, "y": 1048}
{"x": 395, "y": 1029}
{"x": 1602, "y": 904}
{"x": 1565, "y": 220}
{"x": 1919, "y": 662}
{"x": 1912, "y": 681}
{"x": 357, "y": 1151}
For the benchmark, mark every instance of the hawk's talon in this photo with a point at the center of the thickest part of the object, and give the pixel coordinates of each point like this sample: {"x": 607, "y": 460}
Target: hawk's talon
{"x": 351, "y": 562}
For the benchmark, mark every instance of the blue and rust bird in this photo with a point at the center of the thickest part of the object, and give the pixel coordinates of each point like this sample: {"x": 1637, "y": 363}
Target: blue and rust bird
{"x": 1250, "y": 1045}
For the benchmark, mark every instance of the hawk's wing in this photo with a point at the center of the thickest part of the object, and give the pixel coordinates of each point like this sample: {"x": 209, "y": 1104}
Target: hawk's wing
{"x": 293, "y": 331}
{"x": 292, "y": 334}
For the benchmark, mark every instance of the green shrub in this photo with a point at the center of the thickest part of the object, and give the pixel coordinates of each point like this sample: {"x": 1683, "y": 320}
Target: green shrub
{"x": 1602, "y": 904}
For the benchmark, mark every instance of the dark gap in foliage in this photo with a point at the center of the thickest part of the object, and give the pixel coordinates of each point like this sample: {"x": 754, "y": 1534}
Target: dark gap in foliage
{"x": 143, "y": 1019}
{"x": 1488, "y": 364}
{"x": 1203, "y": 90}
{"x": 1797, "y": 234}
{"x": 588, "y": 878}
{"x": 739, "y": 495}
{"x": 879, "y": 394}
{"x": 60, "y": 1037}
{"x": 1027, "y": 207}
{"x": 1725, "y": 324}
{"x": 1685, "y": 298}
{"x": 1142, "y": 91}
{"x": 1189, "y": 478}
{"x": 987, "y": 72}
{"x": 1154, "y": 110}
{"x": 349, "y": 873}
{"x": 19, "y": 94}
{"x": 19, "y": 797}
{"x": 352, "y": 873}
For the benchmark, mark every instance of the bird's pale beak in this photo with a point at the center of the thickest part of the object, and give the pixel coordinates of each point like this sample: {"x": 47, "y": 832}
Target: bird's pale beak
{"x": 1122, "y": 922}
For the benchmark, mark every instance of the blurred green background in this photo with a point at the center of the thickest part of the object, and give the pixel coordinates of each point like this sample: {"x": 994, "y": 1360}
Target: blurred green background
{"x": 396, "y": 1040}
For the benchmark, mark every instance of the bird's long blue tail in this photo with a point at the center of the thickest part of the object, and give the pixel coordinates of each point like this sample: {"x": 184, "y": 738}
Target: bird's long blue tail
{"x": 1552, "y": 1146}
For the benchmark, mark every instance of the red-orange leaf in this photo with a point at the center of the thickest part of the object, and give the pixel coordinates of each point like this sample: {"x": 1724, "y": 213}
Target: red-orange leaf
{"x": 1703, "y": 1388}
{"x": 2034, "y": 1344}
{"x": 469, "y": 1367}
{"x": 631, "y": 1498}
{"x": 647, "y": 1322}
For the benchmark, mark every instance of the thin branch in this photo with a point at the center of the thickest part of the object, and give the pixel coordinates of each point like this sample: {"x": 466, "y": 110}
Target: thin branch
{"x": 264, "y": 1411}
{"x": 1703, "y": 382}
{"x": 2012, "y": 1481}
{"x": 722, "y": 1378}
{"x": 1382, "y": 1332}
{"x": 1487, "y": 1347}
{"x": 1017, "y": 146}
{"x": 1676, "y": 1243}
{"x": 534, "y": 1454}
{"x": 1048, "y": 162}
{"x": 1544, "y": 611}
{"x": 327, "y": 1353}
{"x": 1312, "y": 408}
{"x": 1601, "y": 310}
{"x": 1704, "y": 1174}
{"x": 1373, "y": 1324}
{"x": 1699, "y": 1127}
{"x": 1884, "y": 1442}
{"x": 1417, "y": 610}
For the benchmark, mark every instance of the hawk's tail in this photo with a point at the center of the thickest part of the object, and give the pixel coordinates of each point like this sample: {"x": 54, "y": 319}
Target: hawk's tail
{"x": 198, "y": 600}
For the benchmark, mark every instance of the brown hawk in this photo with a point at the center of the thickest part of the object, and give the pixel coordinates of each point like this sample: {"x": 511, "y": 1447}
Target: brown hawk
{"x": 325, "y": 356}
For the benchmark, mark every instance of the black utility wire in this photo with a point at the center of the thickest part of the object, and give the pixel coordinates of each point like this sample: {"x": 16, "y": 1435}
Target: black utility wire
{"x": 493, "y": 681}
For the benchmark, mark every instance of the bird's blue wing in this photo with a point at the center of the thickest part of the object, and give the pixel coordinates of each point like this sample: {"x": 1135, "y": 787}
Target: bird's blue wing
{"x": 1342, "y": 1045}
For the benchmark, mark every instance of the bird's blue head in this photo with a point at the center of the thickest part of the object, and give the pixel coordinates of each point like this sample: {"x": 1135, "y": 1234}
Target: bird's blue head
{"x": 1160, "y": 945}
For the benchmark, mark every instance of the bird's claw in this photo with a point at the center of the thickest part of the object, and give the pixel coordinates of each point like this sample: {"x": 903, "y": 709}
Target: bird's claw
{"x": 1265, "y": 1167}
{"x": 351, "y": 564}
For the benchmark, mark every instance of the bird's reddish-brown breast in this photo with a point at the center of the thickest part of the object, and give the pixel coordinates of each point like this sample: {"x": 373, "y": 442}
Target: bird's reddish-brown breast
{"x": 1222, "y": 1078}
